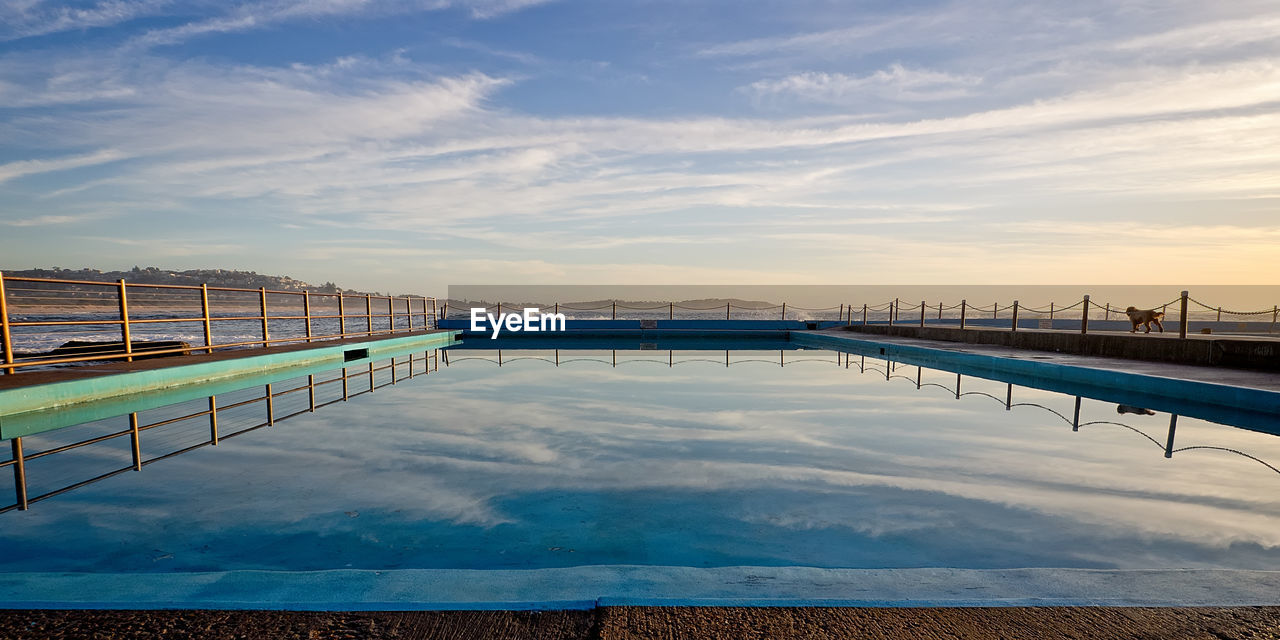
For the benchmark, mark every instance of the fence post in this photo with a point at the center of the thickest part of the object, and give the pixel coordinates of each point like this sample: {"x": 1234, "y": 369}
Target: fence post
{"x": 435, "y": 317}
{"x": 391, "y": 319}
{"x": 964, "y": 307}
{"x": 939, "y": 310}
{"x": 784, "y": 311}
{"x": 897, "y": 304}
{"x": 19, "y": 474}
{"x": 204, "y": 309}
{"x": 368, "y": 315}
{"x": 213, "y": 420}
{"x": 265, "y": 336}
{"x": 1015, "y": 316}
{"x": 1182, "y": 317}
{"x": 995, "y": 310}
{"x": 1050, "y": 315}
{"x": 1275, "y": 311}
{"x": 892, "y": 306}
{"x": 134, "y": 445}
{"x": 1219, "y": 314}
{"x": 864, "y": 314}
{"x": 408, "y": 313}
{"x": 342, "y": 316}
{"x": 1084, "y": 317}
{"x": 1106, "y": 311}
{"x": 922, "y": 313}
{"x": 615, "y": 310}
{"x": 726, "y": 311}
{"x": 671, "y": 311}
{"x": 124, "y": 322}
{"x": 6, "y": 340}
{"x": 1173, "y": 426}
{"x": 306, "y": 311}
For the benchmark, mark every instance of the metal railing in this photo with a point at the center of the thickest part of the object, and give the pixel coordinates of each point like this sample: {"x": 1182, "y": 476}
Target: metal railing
{"x": 106, "y": 309}
{"x": 402, "y": 369}
{"x": 898, "y": 312}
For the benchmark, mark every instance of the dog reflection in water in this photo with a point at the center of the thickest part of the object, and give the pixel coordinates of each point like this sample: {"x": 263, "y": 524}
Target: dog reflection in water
{"x": 1124, "y": 408}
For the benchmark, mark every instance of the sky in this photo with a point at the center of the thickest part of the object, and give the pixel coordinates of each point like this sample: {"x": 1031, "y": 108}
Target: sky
{"x": 406, "y": 145}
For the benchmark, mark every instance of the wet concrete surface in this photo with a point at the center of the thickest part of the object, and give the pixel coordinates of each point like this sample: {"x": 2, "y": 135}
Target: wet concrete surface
{"x": 637, "y": 623}
{"x": 1217, "y": 375}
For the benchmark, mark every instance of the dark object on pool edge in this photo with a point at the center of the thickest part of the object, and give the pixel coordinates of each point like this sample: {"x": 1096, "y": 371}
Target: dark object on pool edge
{"x": 90, "y": 348}
{"x": 1124, "y": 408}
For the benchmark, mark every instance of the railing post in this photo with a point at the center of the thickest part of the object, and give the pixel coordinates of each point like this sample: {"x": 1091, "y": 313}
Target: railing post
{"x": 864, "y": 314}
{"x": 434, "y": 317}
{"x": 1219, "y": 314}
{"x": 408, "y": 313}
{"x": 726, "y": 311}
{"x": 1182, "y": 316}
{"x": 270, "y": 397}
{"x": 614, "y": 312}
{"x": 125, "y": 335}
{"x": 1084, "y": 317}
{"x": 391, "y": 319}
{"x": 1168, "y": 445}
{"x": 671, "y": 310}
{"x": 995, "y": 310}
{"x": 368, "y": 313}
{"x": 1106, "y": 311}
{"x": 892, "y": 306}
{"x": 1075, "y": 419}
{"x": 306, "y": 311}
{"x": 922, "y": 313}
{"x": 897, "y": 304}
{"x": 1050, "y": 315}
{"x": 939, "y": 310}
{"x": 266, "y": 335}
{"x": 1275, "y": 311}
{"x": 204, "y": 310}
{"x": 134, "y": 444}
{"x": 1015, "y": 316}
{"x": 964, "y": 308}
{"x": 6, "y": 340}
{"x": 19, "y": 474}
{"x": 784, "y": 310}
{"x": 342, "y": 316}
{"x": 213, "y": 421}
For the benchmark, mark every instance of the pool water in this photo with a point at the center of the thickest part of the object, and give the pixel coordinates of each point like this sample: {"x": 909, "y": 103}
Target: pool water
{"x": 567, "y": 458}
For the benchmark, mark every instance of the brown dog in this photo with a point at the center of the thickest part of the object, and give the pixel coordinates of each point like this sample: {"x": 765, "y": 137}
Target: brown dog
{"x": 1144, "y": 317}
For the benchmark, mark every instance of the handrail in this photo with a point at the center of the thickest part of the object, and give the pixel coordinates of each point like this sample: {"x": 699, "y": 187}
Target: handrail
{"x": 418, "y": 313}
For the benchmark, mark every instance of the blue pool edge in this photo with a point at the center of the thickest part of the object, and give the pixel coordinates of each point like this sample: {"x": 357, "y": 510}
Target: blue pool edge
{"x": 629, "y": 585}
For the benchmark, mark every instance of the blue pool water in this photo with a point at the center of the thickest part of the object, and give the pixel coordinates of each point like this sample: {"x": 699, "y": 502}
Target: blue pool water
{"x": 570, "y": 458}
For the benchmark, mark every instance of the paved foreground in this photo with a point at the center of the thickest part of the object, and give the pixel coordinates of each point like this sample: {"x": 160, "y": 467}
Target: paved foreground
{"x": 695, "y": 623}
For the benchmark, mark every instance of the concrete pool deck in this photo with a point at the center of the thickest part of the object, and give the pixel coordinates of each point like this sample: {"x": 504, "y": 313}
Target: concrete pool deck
{"x": 1249, "y": 378}
{"x": 694, "y": 623}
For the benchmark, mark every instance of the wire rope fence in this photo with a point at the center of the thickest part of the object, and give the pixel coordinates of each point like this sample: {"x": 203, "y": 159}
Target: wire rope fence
{"x": 1082, "y": 315}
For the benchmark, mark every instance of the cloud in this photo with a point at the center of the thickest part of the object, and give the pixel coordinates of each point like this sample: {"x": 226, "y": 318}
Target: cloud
{"x": 895, "y": 83}
{"x": 32, "y": 167}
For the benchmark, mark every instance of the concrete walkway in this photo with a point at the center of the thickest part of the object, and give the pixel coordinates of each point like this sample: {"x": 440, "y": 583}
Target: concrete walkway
{"x": 1217, "y": 375}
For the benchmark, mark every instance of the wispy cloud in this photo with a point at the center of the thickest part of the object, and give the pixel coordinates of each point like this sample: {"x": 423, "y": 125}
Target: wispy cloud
{"x": 895, "y": 83}
{"x": 32, "y": 167}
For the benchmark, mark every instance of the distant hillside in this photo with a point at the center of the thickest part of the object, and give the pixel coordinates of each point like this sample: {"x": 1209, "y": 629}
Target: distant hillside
{"x": 197, "y": 277}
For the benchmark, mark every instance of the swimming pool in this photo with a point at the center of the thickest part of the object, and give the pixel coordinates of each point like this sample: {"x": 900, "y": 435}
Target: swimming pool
{"x": 535, "y": 470}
